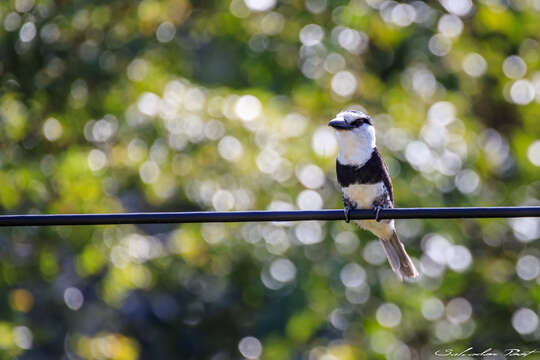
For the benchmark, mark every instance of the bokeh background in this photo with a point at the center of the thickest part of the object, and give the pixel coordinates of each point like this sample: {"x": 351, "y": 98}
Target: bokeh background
{"x": 177, "y": 105}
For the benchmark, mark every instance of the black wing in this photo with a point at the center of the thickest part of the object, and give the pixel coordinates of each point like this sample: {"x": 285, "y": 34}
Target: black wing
{"x": 386, "y": 177}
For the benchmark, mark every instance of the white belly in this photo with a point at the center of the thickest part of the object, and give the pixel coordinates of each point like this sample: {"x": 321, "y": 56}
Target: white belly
{"x": 364, "y": 194}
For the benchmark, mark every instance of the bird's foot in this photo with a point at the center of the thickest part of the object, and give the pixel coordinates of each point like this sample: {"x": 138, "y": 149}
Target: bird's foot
{"x": 377, "y": 211}
{"x": 347, "y": 212}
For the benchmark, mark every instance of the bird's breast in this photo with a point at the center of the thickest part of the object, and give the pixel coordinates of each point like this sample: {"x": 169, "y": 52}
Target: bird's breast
{"x": 364, "y": 194}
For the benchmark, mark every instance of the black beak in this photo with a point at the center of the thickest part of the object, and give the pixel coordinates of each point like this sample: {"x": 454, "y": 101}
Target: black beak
{"x": 339, "y": 124}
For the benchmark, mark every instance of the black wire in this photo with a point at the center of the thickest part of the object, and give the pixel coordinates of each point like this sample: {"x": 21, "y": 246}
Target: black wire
{"x": 248, "y": 216}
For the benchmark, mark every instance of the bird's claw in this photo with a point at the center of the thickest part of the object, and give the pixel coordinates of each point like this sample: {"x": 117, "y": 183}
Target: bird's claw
{"x": 377, "y": 211}
{"x": 347, "y": 214}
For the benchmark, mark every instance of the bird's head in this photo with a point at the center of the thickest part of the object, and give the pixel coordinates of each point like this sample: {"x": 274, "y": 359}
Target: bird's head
{"x": 355, "y": 134}
{"x": 354, "y": 125}
{"x": 350, "y": 120}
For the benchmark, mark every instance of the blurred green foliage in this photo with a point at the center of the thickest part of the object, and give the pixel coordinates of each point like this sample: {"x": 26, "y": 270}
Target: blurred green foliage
{"x": 178, "y": 105}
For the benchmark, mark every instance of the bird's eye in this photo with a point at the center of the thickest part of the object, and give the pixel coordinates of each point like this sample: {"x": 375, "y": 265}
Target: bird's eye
{"x": 357, "y": 122}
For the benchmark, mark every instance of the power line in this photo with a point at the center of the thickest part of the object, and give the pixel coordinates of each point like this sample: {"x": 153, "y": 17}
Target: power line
{"x": 249, "y": 216}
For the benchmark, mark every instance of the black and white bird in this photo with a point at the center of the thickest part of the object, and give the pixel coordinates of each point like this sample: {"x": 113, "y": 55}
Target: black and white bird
{"x": 365, "y": 184}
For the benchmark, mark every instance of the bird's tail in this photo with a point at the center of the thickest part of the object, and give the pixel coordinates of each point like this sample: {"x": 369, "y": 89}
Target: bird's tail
{"x": 398, "y": 258}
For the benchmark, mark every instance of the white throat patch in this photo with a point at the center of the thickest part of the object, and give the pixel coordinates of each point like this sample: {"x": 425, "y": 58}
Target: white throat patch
{"x": 356, "y": 145}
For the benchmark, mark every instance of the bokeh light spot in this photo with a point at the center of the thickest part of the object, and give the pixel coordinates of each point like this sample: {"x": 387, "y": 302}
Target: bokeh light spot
{"x": 528, "y": 267}
{"x": 439, "y": 45}
{"x": 474, "y": 65}
{"x": 165, "y": 32}
{"x": 250, "y": 347}
{"x": 52, "y": 129}
{"x": 248, "y": 108}
{"x": 311, "y": 34}
{"x": 388, "y": 315}
{"x": 346, "y": 242}
{"x": 97, "y": 160}
{"x": 432, "y": 308}
{"x": 352, "y": 275}
{"x": 311, "y": 176}
{"x": 230, "y": 148}
{"x": 309, "y": 232}
{"x": 526, "y": 229}
{"x": 73, "y": 298}
{"x": 374, "y": 253}
{"x": 525, "y": 321}
{"x": 27, "y": 32}
{"x": 514, "y": 67}
{"x": 309, "y": 200}
{"x": 458, "y": 310}
{"x": 450, "y": 25}
{"x": 324, "y": 142}
{"x": 522, "y": 92}
{"x": 23, "y": 337}
{"x": 260, "y": 5}
{"x": 458, "y": 7}
{"x": 533, "y": 153}
{"x": 283, "y": 270}
{"x": 344, "y": 83}
{"x": 21, "y": 300}
{"x": 467, "y": 181}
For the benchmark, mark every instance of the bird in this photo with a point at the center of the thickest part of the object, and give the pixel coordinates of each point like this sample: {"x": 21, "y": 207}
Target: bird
{"x": 366, "y": 184}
